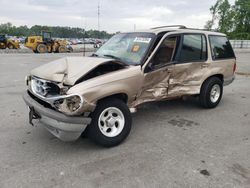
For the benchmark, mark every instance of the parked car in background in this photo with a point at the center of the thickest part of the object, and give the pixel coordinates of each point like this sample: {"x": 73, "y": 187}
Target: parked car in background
{"x": 98, "y": 43}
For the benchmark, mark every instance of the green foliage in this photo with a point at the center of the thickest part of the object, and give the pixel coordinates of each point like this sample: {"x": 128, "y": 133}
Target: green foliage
{"x": 60, "y": 32}
{"x": 234, "y": 20}
{"x": 242, "y": 17}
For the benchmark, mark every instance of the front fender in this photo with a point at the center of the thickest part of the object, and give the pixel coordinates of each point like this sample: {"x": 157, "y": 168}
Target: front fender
{"x": 127, "y": 82}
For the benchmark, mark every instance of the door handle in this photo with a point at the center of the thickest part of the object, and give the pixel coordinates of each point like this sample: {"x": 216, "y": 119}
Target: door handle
{"x": 167, "y": 70}
{"x": 204, "y": 65}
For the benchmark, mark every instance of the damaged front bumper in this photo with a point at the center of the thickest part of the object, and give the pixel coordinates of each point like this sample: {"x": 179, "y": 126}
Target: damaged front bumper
{"x": 66, "y": 128}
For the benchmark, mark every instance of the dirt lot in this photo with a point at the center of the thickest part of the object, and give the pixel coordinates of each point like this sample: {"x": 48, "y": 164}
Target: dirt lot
{"x": 172, "y": 143}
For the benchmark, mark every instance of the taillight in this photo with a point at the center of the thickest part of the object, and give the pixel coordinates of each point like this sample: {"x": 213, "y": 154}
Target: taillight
{"x": 234, "y": 69}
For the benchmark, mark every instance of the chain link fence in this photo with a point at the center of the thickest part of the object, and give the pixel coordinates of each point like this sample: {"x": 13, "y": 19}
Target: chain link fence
{"x": 244, "y": 44}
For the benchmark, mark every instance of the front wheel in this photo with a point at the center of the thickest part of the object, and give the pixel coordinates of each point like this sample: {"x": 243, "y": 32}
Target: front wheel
{"x": 111, "y": 123}
{"x": 211, "y": 92}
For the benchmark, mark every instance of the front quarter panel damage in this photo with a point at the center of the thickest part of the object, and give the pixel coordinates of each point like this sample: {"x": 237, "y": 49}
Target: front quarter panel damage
{"x": 126, "y": 81}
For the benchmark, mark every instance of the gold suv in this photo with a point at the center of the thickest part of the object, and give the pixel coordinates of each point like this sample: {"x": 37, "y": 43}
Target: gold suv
{"x": 97, "y": 94}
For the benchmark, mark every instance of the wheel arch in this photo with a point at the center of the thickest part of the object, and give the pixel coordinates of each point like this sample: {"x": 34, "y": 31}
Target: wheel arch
{"x": 220, "y": 76}
{"x": 121, "y": 96}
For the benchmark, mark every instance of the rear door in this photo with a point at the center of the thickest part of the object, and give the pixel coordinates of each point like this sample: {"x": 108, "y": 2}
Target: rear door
{"x": 190, "y": 65}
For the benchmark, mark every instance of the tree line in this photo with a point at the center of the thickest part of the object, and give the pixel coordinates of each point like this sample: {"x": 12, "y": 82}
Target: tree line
{"x": 234, "y": 20}
{"x": 57, "y": 31}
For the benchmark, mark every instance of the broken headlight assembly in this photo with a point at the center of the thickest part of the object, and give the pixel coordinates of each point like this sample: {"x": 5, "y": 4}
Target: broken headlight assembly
{"x": 57, "y": 97}
{"x": 68, "y": 104}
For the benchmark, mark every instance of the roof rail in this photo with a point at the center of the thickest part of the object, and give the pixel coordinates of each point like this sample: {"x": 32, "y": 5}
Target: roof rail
{"x": 213, "y": 30}
{"x": 178, "y": 26}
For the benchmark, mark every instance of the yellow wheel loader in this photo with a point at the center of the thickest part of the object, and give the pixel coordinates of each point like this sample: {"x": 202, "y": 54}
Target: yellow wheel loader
{"x": 45, "y": 44}
{"x": 8, "y": 43}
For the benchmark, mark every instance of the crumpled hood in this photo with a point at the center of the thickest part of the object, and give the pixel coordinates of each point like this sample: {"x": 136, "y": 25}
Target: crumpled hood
{"x": 68, "y": 70}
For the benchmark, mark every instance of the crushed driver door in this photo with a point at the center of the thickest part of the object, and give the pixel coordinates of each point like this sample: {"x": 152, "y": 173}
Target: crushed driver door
{"x": 157, "y": 71}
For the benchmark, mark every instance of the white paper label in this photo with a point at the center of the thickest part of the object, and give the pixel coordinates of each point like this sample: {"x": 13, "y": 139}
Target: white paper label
{"x": 142, "y": 39}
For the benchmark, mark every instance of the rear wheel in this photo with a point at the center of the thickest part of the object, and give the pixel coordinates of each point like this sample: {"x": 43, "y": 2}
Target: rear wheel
{"x": 111, "y": 123}
{"x": 211, "y": 92}
{"x": 41, "y": 48}
{"x": 62, "y": 49}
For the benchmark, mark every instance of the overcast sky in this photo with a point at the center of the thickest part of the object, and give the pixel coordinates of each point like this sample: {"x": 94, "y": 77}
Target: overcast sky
{"x": 115, "y": 15}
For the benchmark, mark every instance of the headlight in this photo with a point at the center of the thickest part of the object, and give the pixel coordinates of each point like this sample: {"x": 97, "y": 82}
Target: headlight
{"x": 69, "y": 105}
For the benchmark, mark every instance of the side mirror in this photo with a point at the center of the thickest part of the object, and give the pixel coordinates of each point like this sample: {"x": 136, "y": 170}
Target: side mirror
{"x": 149, "y": 67}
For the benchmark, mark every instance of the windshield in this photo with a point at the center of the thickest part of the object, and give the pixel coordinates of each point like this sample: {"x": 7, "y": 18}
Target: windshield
{"x": 127, "y": 47}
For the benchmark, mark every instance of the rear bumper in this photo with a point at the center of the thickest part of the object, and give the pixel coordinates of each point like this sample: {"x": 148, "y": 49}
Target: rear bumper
{"x": 66, "y": 128}
{"x": 229, "y": 80}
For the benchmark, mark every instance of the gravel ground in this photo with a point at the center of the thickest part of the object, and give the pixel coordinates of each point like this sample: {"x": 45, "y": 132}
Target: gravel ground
{"x": 172, "y": 143}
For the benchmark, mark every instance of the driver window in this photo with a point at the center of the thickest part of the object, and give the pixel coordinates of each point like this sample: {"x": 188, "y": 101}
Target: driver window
{"x": 165, "y": 53}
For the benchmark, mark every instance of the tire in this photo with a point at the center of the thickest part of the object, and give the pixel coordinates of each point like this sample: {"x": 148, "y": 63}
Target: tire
{"x": 11, "y": 46}
{"x": 2, "y": 46}
{"x": 62, "y": 49}
{"x": 211, "y": 92}
{"x": 41, "y": 48}
{"x": 112, "y": 133}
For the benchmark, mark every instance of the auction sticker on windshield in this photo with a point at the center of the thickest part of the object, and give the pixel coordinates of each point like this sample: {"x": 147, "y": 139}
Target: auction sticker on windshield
{"x": 142, "y": 39}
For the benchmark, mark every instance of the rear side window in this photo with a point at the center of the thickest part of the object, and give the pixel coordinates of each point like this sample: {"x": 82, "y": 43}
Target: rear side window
{"x": 194, "y": 48}
{"x": 221, "y": 47}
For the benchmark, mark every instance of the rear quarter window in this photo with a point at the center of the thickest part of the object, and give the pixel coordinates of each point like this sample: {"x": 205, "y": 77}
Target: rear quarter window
{"x": 221, "y": 47}
{"x": 194, "y": 48}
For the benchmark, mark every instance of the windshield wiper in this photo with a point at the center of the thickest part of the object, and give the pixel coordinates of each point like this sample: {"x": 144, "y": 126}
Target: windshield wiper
{"x": 94, "y": 55}
{"x": 112, "y": 56}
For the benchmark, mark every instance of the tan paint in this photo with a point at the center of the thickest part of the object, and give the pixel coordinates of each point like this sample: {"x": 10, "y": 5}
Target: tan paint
{"x": 68, "y": 70}
{"x": 174, "y": 80}
{"x": 154, "y": 87}
{"x": 126, "y": 81}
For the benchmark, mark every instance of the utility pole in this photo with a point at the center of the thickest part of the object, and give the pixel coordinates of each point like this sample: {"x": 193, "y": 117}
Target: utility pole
{"x": 84, "y": 35}
{"x": 98, "y": 15}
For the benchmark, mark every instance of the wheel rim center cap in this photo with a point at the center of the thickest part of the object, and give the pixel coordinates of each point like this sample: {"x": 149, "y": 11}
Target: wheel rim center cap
{"x": 110, "y": 121}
